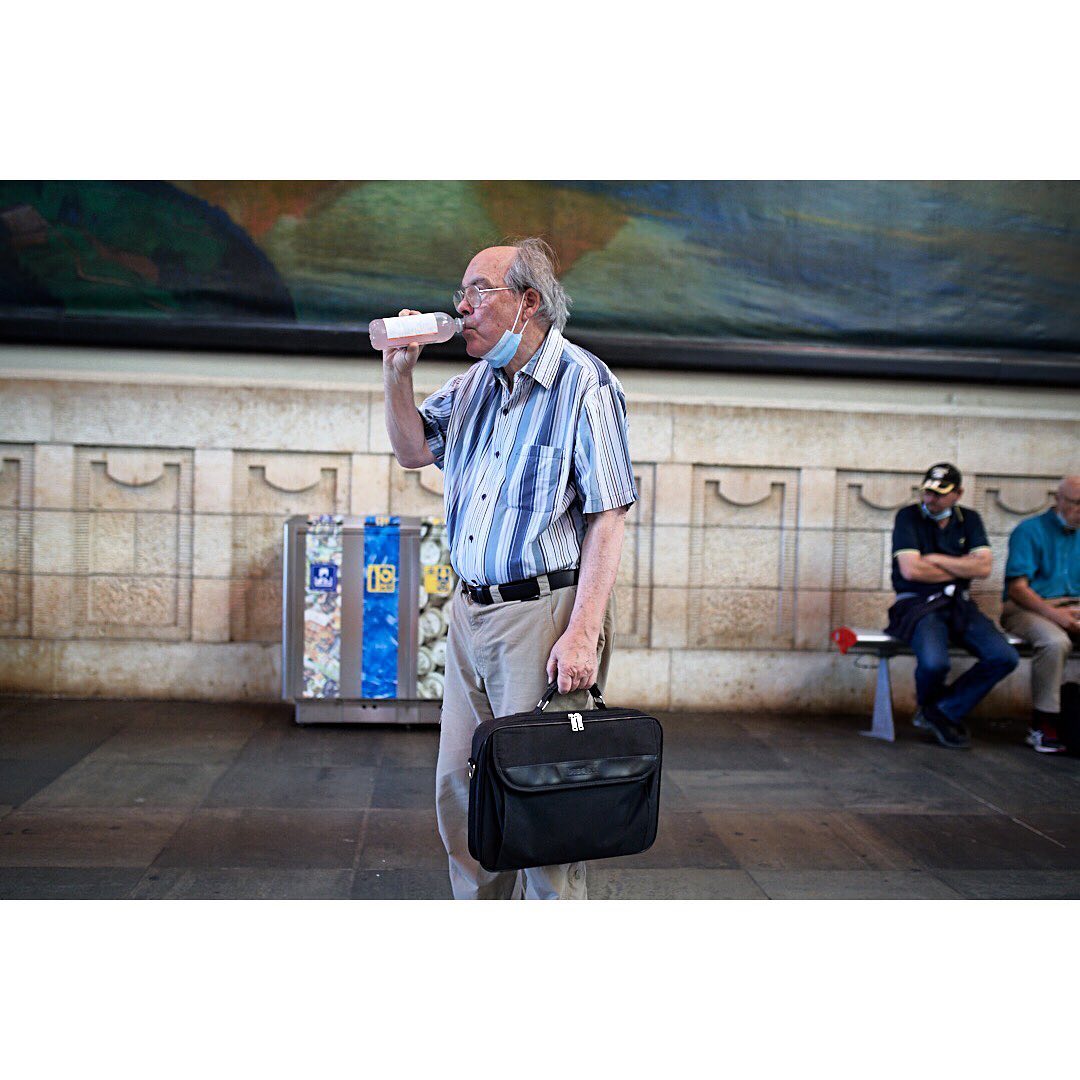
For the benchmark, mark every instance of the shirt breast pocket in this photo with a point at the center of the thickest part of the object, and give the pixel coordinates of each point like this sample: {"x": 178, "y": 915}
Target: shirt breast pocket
{"x": 534, "y": 485}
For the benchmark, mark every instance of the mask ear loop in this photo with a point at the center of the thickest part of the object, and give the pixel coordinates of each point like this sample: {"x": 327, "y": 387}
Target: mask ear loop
{"x": 514, "y": 323}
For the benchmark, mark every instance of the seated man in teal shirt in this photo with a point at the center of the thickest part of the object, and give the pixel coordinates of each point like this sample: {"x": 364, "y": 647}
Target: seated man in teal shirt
{"x": 1042, "y": 604}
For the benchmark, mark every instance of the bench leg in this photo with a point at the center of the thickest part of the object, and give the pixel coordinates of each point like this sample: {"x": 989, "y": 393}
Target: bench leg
{"x": 882, "y": 724}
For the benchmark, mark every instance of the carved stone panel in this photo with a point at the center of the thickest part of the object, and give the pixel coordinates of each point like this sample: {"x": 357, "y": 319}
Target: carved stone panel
{"x": 813, "y": 599}
{"x": 416, "y": 492}
{"x": 370, "y": 484}
{"x": 742, "y": 558}
{"x": 269, "y": 488}
{"x": 1003, "y": 502}
{"x": 633, "y": 585}
{"x": 133, "y": 543}
{"x": 16, "y": 539}
{"x": 866, "y": 506}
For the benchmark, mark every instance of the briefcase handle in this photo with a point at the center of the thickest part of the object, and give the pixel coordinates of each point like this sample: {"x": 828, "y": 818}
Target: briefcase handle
{"x": 553, "y": 689}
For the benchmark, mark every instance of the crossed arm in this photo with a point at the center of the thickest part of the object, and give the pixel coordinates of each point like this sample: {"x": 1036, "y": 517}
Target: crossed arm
{"x": 937, "y": 569}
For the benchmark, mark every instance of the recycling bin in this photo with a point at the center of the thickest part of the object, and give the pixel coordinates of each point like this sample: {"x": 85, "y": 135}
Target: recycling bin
{"x": 365, "y": 612}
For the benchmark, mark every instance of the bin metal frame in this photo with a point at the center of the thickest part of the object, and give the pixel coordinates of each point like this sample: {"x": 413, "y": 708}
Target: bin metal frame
{"x": 351, "y": 707}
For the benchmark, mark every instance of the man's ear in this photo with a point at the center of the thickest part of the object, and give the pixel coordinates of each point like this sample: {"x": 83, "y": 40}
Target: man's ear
{"x": 532, "y": 303}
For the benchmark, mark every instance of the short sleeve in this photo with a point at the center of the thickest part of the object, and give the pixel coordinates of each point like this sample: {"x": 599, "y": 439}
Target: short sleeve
{"x": 905, "y": 536}
{"x": 976, "y": 532}
{"x": 602, "y": 471}
{"x": 435, "y": 413}
{"x": 1023, "y": 560}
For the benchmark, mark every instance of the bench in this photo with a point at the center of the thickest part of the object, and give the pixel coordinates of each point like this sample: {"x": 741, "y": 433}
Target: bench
{"x": 885, "y": 647}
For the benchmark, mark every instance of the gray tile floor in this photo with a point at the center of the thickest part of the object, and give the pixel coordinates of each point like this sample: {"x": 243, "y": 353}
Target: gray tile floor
{"x": 161, "y": 800}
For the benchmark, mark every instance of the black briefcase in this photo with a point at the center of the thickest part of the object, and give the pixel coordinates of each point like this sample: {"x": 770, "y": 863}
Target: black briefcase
{"x": 562, "y": 787}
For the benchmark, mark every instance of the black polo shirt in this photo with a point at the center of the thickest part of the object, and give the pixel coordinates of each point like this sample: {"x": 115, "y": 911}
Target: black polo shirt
{"x": 914, "y": 531}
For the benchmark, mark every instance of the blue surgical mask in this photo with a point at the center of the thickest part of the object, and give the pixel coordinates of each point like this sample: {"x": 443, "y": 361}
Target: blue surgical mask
{"x": 504, "y": 352}
{"x": 941, "y": 516}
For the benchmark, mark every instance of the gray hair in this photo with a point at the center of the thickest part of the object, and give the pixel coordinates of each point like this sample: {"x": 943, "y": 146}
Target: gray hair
{"x": 534, "y": 268}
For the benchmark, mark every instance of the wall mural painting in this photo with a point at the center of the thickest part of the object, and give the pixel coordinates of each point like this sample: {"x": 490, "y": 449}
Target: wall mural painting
{"x": 993, "y": 264}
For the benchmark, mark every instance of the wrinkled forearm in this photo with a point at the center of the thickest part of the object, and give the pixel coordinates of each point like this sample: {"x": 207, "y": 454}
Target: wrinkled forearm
{"x": 403, "y": 423}
{"x": 1022, "y": 594}
{"x": 600, "y": 554}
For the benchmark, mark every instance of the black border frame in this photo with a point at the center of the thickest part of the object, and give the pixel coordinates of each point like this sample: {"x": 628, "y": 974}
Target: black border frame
{"x": 1007, "y": 366}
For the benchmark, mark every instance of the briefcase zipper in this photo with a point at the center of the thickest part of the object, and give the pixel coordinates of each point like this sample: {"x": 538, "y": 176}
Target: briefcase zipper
{"x": 576, "y": 723}
{"x": 585, "y": 717}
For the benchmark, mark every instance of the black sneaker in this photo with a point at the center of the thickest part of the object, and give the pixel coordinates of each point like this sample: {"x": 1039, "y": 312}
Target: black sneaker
{"x": 948, "y": 733}
{"x": 1044, "y": 740}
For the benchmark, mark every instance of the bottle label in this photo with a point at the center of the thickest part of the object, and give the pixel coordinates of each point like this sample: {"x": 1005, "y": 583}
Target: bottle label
{"x": 409, "y": 326}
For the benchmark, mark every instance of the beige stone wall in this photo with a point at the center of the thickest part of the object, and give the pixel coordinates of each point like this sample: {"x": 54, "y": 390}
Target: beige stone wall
{"x": 142, "y": 498}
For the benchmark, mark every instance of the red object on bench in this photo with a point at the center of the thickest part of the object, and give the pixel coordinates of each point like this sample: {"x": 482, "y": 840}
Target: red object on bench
{"x": 844, "y": 637}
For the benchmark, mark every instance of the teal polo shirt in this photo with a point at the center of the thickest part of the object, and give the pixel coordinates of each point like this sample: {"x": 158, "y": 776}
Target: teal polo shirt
{"x": 1047, "y": 554}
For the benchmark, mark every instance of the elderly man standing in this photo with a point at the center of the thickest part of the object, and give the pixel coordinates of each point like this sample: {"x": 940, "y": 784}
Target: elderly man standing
{"x": 1042, "y": 605}
{"x": 532, "y": 440}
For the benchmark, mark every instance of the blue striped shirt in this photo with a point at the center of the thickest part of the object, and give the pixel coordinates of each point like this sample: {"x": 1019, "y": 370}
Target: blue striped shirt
{"x": 522, "y": 468}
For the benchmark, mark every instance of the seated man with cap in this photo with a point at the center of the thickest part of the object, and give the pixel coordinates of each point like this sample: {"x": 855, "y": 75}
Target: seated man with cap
{"x": 938, "y": 548}
{"x": 1042, "y": 605}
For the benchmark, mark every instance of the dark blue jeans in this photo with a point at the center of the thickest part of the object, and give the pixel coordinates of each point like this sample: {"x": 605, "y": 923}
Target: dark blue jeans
{"x": 981, "y": 638}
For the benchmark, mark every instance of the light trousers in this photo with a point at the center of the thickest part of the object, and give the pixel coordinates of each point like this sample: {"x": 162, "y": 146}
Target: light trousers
{"x": 1051, "y": 647}
{"x": 496, "y": 658}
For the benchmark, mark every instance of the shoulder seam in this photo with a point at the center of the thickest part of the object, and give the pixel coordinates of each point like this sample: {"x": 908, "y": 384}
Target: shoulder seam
{"x": 593, "y": 366}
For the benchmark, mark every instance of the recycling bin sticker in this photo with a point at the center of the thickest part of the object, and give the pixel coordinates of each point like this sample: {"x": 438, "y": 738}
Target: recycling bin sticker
{"x": 322, "y": 608}
{"x": 322, "y": 577}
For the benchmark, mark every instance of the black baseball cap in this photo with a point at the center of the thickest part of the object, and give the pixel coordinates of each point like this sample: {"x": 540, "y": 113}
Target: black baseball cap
{"x": 941, "y": 478}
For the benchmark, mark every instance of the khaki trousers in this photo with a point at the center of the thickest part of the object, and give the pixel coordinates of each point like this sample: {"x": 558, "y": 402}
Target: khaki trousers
{"x": 1051, "y": 646}
{"x": 496, "y": 659}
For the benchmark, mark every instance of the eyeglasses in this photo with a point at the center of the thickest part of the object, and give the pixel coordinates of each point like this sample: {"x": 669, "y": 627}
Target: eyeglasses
{"x": 474, "y": 295}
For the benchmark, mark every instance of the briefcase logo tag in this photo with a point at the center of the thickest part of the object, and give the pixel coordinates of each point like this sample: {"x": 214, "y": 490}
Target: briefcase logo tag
{"x": 576, "y": 723}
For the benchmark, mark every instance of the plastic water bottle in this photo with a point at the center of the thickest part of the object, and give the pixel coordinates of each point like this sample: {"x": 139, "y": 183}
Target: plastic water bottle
{"x": 412, "y": 330}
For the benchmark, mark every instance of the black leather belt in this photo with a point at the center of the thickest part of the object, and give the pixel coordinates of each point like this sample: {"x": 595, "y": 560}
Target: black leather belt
{"x": 529, "y": 589}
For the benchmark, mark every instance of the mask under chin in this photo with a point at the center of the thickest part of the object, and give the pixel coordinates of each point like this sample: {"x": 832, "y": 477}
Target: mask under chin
{"x": 507, "y": 348}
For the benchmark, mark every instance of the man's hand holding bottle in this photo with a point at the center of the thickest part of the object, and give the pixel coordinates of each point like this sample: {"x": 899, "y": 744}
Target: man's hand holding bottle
{"x": 401, "y": 361}
{"x": 400, "y": 339}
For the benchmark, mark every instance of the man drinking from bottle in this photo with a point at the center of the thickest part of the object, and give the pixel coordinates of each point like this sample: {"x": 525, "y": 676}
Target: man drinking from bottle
{"x": 532, "y": 441}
